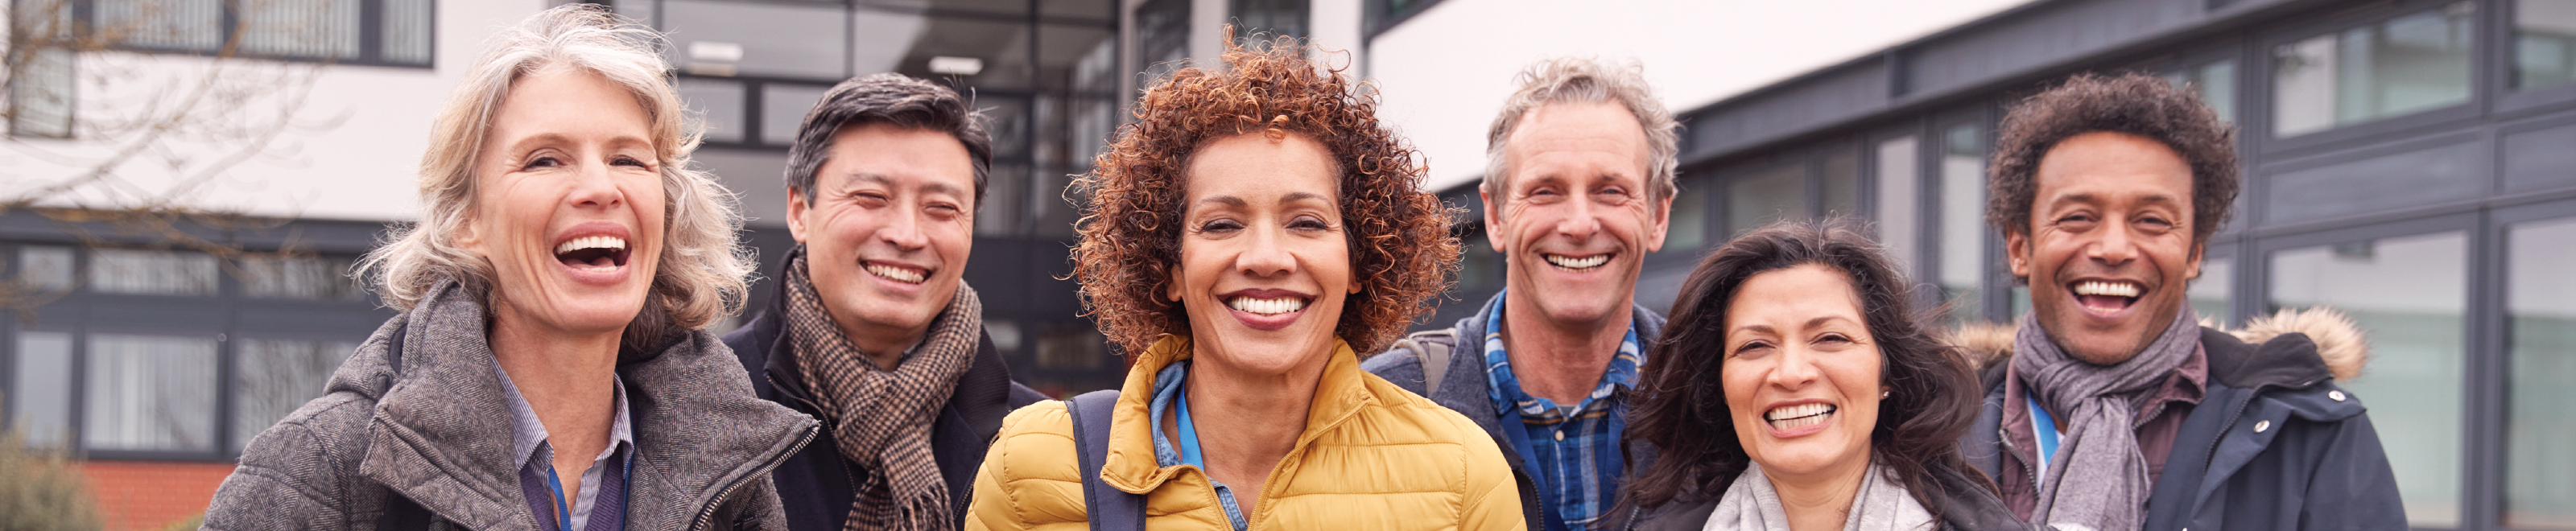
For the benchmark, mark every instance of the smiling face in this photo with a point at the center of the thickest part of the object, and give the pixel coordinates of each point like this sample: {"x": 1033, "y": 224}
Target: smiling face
{"x": 1574, "y": 218}
{"x": 1264, "y": 264}
{"x": 1801, "y": 372}
{"x": 887, "y": 235}
{"x": 568, "y": 204}
{"x": 2110, "y": 245}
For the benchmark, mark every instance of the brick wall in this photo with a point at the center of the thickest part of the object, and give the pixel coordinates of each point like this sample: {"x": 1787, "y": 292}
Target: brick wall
{"x": 135, "y": 495}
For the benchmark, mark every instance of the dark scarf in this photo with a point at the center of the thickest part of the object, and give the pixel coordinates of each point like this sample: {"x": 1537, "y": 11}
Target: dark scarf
{"x": 881, "y": 419}
{"x": 2099, "y": 480}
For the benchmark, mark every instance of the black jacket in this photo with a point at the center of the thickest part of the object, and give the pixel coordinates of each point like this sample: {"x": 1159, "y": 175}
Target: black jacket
{"x": 2274, "y": 444}
{"x": 815, "y": 484}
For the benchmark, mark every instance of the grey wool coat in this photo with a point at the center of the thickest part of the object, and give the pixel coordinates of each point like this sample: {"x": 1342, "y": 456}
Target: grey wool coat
{"x": 414, "y": 433}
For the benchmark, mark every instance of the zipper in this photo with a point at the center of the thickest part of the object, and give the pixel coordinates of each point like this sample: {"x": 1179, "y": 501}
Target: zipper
{"x": 709, "y": 512}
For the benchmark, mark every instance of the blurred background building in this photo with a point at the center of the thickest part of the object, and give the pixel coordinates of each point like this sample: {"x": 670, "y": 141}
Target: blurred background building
{"x": 186, "y": 183}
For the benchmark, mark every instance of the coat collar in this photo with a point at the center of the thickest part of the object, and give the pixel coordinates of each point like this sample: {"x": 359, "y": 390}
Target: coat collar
{"x": 439, "y": 439}
{"x": 1130, "y": 465}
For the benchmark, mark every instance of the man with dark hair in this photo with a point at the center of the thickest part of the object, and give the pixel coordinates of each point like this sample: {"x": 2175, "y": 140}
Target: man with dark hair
{"x": 1578, "y": 189}
{"x": 872, "y": 329}
{"x": 2116, "y": 410}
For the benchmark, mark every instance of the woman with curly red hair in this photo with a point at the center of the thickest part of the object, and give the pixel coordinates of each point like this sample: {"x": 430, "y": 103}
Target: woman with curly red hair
{"x": 1252, "y": 230}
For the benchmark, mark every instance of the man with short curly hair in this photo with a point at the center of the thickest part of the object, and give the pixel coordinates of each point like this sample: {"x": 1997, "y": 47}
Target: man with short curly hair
{"x": 1578, "y": 190}
{"x": 2116, "y": 410}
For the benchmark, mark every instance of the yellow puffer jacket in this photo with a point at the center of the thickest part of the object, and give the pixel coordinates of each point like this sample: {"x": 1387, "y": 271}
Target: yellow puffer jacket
{"x": 1373, "y": 457}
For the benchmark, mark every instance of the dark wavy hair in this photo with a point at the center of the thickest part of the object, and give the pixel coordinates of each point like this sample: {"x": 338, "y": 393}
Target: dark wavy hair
{"x": 1932, "y": 398}
{"x": 2136, "y": 104}
{"x": 1401, "y": 249}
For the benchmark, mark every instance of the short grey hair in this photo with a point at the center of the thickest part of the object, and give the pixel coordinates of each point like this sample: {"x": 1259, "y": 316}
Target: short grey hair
{"x": 1579, "y": 80}
{"x": 702, "y": 272}
{"x": 893, "y": 99}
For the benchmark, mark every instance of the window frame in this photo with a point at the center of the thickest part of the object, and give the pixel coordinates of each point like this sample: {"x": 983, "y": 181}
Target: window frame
{"x": 2489, "y": 361}
{"x": 2500, "y": 67}
{"x": 370, "y": 35}
{"x": 2259, "y": 123}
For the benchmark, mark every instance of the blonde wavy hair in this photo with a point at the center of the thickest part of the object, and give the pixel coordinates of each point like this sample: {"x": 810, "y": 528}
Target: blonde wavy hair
{"x": 702, "y": 272}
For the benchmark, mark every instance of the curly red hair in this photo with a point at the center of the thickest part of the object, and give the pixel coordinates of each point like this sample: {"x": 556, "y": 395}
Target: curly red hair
{"x": 1401, "y": 249}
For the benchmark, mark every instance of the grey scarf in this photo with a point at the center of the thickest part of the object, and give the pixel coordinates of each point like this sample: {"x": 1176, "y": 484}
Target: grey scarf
{"x": 881, "y": 417}
{"x": 2098, "y": 480}
{"x": 1751, "y": 504}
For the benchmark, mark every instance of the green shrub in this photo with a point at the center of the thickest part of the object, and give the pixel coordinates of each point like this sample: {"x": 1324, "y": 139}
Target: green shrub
{"x": 42, "y": 490}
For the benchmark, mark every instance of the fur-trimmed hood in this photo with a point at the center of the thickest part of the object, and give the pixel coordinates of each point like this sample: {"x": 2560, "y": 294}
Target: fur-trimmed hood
{"x": 2340, "y": 343}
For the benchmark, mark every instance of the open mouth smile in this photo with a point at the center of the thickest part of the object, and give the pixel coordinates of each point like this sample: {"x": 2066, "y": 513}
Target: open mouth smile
{"x": 1577, "y": 264}
{"x": 898, "y": 273}
{"x": 1791, "y": 418}
{"x": 1267, "y": 309}
{"x": 2105, "y": 297}
{"x": 594, "y": 253}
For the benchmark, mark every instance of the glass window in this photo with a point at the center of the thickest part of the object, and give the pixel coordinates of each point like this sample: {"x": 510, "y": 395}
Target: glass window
{"x": 2409, "y": 295}
{"x": 1007, "y": 198}
{"x": 1162, "y": 38}
{"x": 1899, "y": 176}
{"x": 2544, "y": 42}
{"x": 1963, "y": 214}
{"x": 2416, "y": 62}
{"x": 40, "y": 387}
{"x": 273, "y": 377}
{"x": 144, "y": 272}
{"x": 1071, "y": 345}
{"x": 1005, "y": 334}
{"x": 406, "y": 31}
{"x": 2210, "y": 293}
{"x": 1686, "y": 230}
{"x": 41, "y": 94}
{"x": 1759, "y": 198}
{"x": 300, "y": 28}
{"x": 1842, "y": 183}
{"x": 2214, "y": 82}
{"x": 883, "y": 39}
{"x": 45, "y": 267}
{"x": 782, "y": 110}
{"x": 1257, "y": 21}
{"x": 2540, "y": 348}
{"x": 174, "y": 24}
{"x": 150, "y": 393}
{"x": 751, "y": 38}
{"x": 1478, "y": 265}
{"x": 719, "y": 102}
{"x": 299, "y": 277}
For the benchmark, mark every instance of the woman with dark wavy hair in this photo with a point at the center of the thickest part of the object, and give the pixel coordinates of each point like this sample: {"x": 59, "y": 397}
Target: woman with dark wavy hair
{"x": 1796, "y": 390}
{"x": 1247, "y": 235}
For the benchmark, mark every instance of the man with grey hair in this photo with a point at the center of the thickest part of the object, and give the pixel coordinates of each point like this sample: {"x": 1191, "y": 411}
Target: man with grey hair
{"x": 1577, "y": 190}
{"x": 872, "y": 329}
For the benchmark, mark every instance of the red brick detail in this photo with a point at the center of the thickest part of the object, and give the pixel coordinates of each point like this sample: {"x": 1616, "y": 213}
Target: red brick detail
{"x": 135, "y": 495}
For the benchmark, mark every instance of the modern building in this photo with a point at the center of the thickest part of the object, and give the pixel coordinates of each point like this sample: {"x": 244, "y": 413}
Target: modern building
{"x": 2408, "y": 162}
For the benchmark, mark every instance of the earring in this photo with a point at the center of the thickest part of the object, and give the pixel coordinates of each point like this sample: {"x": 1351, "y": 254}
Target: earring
{"x": 1883, "y": 394}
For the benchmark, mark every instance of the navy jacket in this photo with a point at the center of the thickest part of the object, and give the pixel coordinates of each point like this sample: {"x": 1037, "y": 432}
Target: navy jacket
{"x": 1465, "y": 389}
{"x": 2274, "y": 444}
{"x": 815, "y": 484}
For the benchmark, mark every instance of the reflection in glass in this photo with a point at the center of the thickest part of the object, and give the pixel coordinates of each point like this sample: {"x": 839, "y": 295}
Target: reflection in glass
{"x": 782, "y": 110}
{"x": 406, "y": 31}
{"x": 164, "y": 24}
{"x": 2540, "y": 348}
{"x": 756, "y": 38}
{"x": 2544, "y": 42}
{"x": 2409, "y": 295}
{"x": 300, "y": 28}
{"x": 719, "y": 103}
{"x": 2209, "y": 294}
{"x": 1686, "y": 229}
{"x": 1759, "y": 198}
{"x": 273, "y": 377}
{"x": 1258, "y": 21}
{"x": 2416, "y": 62}
{"x": 299, "y": 277}
{"x": 143, "y": 272}
{"x": 1963, "y": 225}
{"x": 149, "y": 393}
{"x": 1162, "y": 39}
{"x": 1842, "y": 183}
{"x": 2214, "y": 82}
{"x": 1899, "y": 177}
{"x": 45, "y": 267}
{"x": 40, "y": 388}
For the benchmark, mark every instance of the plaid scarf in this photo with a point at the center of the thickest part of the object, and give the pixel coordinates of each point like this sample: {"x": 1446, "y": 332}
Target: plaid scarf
{"x": 881, "y": 419}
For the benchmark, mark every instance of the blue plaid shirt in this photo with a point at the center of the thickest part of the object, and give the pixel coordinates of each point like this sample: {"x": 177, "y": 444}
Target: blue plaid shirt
{"x": 1573, "y": 451}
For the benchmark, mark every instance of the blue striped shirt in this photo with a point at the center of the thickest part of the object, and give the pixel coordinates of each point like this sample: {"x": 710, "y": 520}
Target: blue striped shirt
{"x": 1574, "y": 449}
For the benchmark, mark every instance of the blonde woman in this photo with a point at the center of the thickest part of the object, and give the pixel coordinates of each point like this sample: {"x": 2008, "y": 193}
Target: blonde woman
{"x": 548, "y": 370}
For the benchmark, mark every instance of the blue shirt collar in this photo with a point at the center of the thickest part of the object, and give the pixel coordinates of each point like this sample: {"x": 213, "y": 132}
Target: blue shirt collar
{"x": 1506, "y": 388}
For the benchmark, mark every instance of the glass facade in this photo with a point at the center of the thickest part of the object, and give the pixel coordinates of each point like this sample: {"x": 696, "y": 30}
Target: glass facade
{"x": 1962, "y": 243}
{"x": 2540, "y": 351}
{"x": 334, "y": 30}
{"x": 2544, "y": 43}
{"x": 2414, "y": 62}
{"x": 2409, "y": 294}
{"x": 1900, "y": 180}
{"x": 1759, "y": 198}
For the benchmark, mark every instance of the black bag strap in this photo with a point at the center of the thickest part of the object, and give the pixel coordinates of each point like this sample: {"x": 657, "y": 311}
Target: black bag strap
{"x": 1109, "y": 509}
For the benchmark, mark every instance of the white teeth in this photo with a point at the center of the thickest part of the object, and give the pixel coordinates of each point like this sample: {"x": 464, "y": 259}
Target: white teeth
{"x": 1587, "y": 262}
{"x": 896, "y": 274}
{"x": 1268, "y": 306}
{"x": 2115, "y": 289}
{"x": 591, "y": 242}
{"x": 1801, "y": 410}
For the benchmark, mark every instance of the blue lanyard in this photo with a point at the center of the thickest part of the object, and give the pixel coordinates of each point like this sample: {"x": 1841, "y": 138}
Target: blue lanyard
{"x": 2045, "y": 428}
{"x": 1189, "y": 432}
